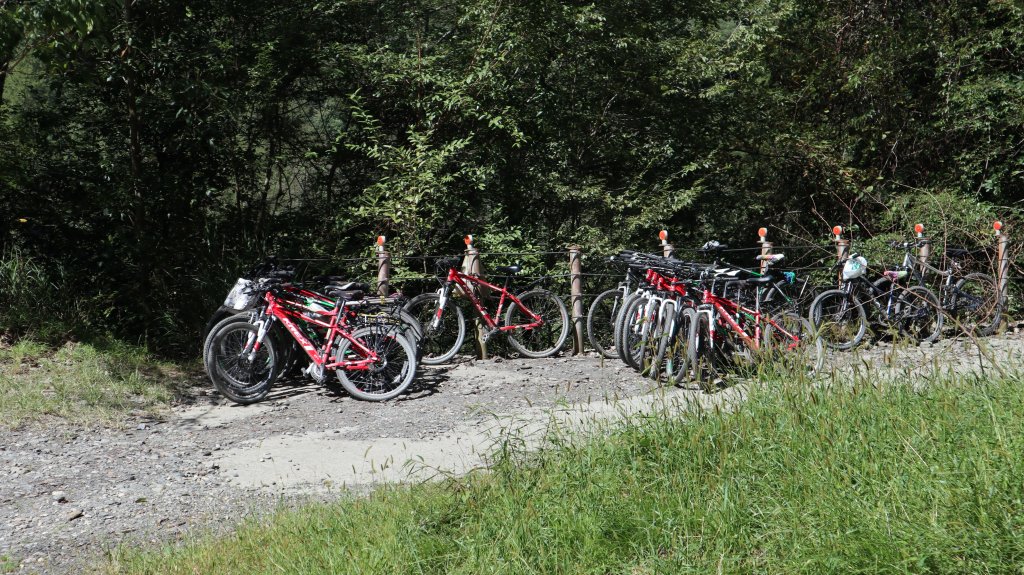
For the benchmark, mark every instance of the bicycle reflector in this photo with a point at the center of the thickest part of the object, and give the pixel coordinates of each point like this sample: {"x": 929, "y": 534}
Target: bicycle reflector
{"x": 997, "y": 226}
{"x": 380, "y": 241}
{"x": 469, "y": 241}
{"x": 919, "y": 228}
{"x": 663, "y": 236}
{"x": 837, "y": 231}
{"x": 762, "y": 233}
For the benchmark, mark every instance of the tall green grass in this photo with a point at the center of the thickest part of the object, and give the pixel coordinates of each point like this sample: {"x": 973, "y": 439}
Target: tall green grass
{"x": 859, "y": 478}
{"x": 97, "y": 383}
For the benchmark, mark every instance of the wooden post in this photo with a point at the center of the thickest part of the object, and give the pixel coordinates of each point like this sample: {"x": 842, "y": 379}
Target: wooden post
{"x": 383, "y": 268}
{"x": 924, "y": 251}
{"x": 471, "y": 266}
{"x": 666, "y": 247}
{"x": 1002, "y": 264}
{"x": 576, "y": 295}
{"x": 842, "y": 248}
{"x": 766, "y": 248}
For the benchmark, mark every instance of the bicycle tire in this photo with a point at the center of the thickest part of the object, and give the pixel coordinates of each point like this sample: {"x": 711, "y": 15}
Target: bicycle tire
{"x": 620, "y": 328}
{"x": 547, "y": 339}
{"x": 984, "y": 307}
{"x": 701, "y": 352}
{"x": 839, "y": 319}
{"x": 601, "y": 317}
{"x": 287, "y": 348}
{"x": 438, "y": 345}
{"x": 808, "y": 354}
{"x": 237, "y": 378}
{"x": 632, "y": 336}
{"x": 659, "y": 339}
{"x": 678, "y": 357}
{"x": 915, "y": 306}
{"x": 387, "y": 378}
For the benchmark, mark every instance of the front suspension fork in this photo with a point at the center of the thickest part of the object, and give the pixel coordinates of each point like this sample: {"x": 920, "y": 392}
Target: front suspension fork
{"x": 445, "y": 295}
{"x": 255, "y": 341}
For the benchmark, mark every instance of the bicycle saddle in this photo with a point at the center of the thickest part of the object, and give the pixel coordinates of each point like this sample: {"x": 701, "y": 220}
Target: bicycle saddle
{"x": 344, "y": 294}
{"x": 348, "y": 286}
{"x": 510, "y": 270}
{"x": 761, "y": 281}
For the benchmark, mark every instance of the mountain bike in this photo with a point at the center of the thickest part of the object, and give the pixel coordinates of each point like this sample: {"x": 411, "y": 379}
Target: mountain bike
{"x": 327, "y": 289}
{"x": 727, "y": 332}
{"x": 535, "y": 322}
{"x": 373, "y": 361}
{"x": 972, "y": 300}
{"x": 604, "y": 311}
{"x": 840, "y": 316}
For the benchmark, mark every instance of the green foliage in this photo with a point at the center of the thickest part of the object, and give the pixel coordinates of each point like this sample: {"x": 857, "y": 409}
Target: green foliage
{"x": 877, "y": 477}
{"x": 156, "y": 148}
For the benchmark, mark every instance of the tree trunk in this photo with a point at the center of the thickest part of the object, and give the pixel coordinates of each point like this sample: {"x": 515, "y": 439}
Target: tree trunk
{"x": 143, "y": 255}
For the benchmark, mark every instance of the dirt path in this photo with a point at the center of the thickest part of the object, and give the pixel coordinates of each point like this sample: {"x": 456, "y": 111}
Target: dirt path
{"x": 66, "y": 495}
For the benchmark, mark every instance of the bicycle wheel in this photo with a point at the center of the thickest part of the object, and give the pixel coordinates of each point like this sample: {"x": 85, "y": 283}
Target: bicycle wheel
{"x": 237, "y": 376}
{"x": 390, "y": 375}
{"x": 795, "y": 346}
{"x": 546, "y": 339}
{"x": 288, "y": 352}
{"x": 632, "y": 337}
{"x": 919, "y": 315}
{"x": 601, "y": 322}
{"x": 621, "y": 322}
{"x": 439, "y": 344}
{"x": 659, "y": 340}
{"x": 701, "y": 351}
{"x": 977, "y": 304}
{"x": 839, "y": 319}
{"x": 677, "y": 358}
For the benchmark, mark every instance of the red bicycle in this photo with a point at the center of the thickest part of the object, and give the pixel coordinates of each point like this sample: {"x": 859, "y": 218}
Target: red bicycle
{"x": 375, "y": 361}
{"x": 535, "y": 321}
{"x": 728, "y": 332}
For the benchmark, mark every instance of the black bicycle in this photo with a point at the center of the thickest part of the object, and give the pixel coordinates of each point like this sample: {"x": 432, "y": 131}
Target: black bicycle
{"x": 840, "y": 316}
{"x": 972, "y": 300}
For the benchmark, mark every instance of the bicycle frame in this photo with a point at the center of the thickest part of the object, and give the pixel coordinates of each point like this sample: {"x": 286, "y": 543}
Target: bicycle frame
{"x": 721, "y": 310}
{"x": 463, "y": 281}
{"x": 288, "y": 316}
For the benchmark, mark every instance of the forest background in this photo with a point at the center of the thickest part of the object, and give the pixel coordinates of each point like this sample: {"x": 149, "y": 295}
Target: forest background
{"x": 152, "y": 149}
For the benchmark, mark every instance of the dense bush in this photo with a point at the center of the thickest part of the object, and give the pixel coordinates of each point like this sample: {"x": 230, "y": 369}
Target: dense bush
{"x": 153, "y": 147}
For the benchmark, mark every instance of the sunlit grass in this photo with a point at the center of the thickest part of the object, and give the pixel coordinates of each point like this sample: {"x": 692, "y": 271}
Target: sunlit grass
{"x": 862, "y": 477}
{"x": 82, "y": 383}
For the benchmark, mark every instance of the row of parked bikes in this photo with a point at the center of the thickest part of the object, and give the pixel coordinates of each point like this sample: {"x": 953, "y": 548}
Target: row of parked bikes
{"x": 271, "y": 325}
{"x": 673, "y": 320}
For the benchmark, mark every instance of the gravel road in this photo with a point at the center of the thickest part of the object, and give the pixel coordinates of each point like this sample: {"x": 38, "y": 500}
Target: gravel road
{"x": 69, "y": 494}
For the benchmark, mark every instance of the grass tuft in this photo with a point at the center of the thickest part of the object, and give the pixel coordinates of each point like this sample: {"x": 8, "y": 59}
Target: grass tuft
{"x": 82, "y": 383}
{"x": 867, "y": 477}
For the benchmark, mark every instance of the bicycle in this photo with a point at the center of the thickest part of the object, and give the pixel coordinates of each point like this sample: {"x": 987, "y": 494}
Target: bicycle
{"x": 373, "y": 362}
{"x": 604, "y": 311}
{"x": 387, "y": 308}
{"x": 840, "y": 318}
{"x": 724, "y": 331}
{"x": 536, "y": 321}
{"x": 973, "y": 300}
